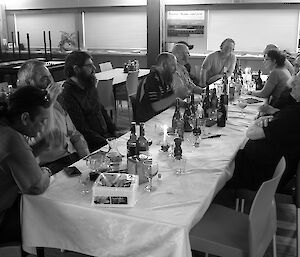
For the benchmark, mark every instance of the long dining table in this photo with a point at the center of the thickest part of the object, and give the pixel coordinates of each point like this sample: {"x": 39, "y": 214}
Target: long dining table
{"x": 159, "y": 223}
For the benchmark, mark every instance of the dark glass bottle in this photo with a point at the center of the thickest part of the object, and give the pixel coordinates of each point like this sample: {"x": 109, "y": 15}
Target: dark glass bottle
{"x": 206, "y": 103}
{"x": 259, "y": 82}
{"x": 142, "y": 142}
{"x": 177, "y": 148}
{"x": 186, "y": 119}
{"x": 225, "y": 89}
{"x": 176, "y": 115}
{"x": 193, "y": 105}
{"x": 214, "y": 100}
{"x": 132, "y": 141}
{"x": 222, "y": 113}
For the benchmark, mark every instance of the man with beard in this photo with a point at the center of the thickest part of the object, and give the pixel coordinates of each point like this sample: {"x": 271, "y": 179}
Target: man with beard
{"x": 155, "y": 93}
{"x": 80, "y": 99}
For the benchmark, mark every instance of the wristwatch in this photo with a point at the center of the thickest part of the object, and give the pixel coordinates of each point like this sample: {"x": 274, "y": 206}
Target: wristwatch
{"x": 48, "y": 170}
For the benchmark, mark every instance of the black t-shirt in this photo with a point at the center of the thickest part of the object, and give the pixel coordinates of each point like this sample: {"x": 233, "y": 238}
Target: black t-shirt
{"x": 256, "y": 163}
{"x": 152, "y": 89}
{"x": 284, "y": 100}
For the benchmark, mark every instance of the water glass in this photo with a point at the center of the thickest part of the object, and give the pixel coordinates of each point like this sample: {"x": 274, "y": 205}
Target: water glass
{"x": 85, "y": 183}
{"x": 180, "y": 165}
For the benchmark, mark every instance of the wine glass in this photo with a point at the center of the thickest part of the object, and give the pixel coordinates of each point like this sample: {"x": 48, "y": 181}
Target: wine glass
{"x": 150, "y": 170}
{"x": 242, "y": 103}
{"x": 197, "y": 133}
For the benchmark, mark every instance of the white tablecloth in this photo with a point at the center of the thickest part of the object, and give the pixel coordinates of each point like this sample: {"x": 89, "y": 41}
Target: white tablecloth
{"x": 159, "y": 224}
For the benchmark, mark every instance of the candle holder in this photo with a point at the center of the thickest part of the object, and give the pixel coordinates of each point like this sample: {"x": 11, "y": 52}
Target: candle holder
{"x": 164, "y": 148}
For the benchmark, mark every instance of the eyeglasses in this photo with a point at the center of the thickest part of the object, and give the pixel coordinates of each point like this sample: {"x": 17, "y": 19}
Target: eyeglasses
{"x": 90, "y": 65}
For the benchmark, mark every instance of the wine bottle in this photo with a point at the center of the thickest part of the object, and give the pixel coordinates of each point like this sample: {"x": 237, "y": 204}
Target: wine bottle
{"x": 259, "y": 82}
{"x": 176, "y": 115}
{"x": 214, "y": 100}
{"x": 132, "y": 142}
{"x": 142, "y": 142}
{"x": 193, "y": 105}
{"x": 221, "y": 113}
{"x": 206, "y": 103}
{"x": 186, "y": 119}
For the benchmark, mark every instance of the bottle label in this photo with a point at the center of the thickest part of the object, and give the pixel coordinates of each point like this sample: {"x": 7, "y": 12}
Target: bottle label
{"x": 131, "y": 150}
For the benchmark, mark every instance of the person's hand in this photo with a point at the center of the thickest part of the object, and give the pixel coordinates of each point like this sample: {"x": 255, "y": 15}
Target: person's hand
{"x": 267, "y": 109}
{"x": 51, "y": 139}
{"x": 54, "y": 89}
{"x": 182, "y": 92}
{"x": 263, "y": 121}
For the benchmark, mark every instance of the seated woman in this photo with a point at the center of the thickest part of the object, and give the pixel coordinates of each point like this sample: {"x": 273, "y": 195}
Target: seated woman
{"x": 277, "y": 80}
{"x": 287, "y": 63}
{"x": 24, "y": 114}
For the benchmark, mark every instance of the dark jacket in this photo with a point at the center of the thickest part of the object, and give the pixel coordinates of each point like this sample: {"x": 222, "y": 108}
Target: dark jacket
{"x": 87, "y": 113}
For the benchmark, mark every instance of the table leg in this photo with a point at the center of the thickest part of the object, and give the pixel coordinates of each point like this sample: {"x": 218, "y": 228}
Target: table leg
{"x": 40, "y": 252}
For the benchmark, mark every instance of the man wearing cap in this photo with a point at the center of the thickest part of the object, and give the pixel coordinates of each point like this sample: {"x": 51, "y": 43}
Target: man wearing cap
{"x": 187, "y": 64}
{"x": 216, "y": 63}
{"x": 181, "y": 77}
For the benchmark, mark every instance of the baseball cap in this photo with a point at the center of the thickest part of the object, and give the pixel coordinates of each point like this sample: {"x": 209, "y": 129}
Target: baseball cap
{"x": 185, "y": 43}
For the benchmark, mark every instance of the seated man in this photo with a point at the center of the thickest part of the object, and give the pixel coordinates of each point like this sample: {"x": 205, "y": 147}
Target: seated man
{"x": 270, "y": 138}
{"x": 66, "y": 144}
{"x": 155, "y": 93}
{"x": 80, "y": 99}
{"x": 25, "y": 114}
{"x": 212, "y": 68}
{"x": 188, "y": 66}
{"x": 181, "y": 77}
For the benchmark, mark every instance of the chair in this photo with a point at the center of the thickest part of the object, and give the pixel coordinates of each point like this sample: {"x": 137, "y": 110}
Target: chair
{"x": 105, "y": 66}
{"x": 106, "y": 97}
{"x": 130, "y": 91}
{"x": 11, "y": 249}
{"x": 225, "y": 232}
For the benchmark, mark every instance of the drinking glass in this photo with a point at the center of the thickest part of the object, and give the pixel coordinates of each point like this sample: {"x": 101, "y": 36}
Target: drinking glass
{"x": 197, "y": 133}
{"x": 180, "y": 166}
{"x": 242, "y": 103}
{"x": 150, "y": 170}
{"x": 85, "y": 183}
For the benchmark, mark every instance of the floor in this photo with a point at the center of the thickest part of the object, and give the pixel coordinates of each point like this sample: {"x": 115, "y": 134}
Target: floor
{"x": 286, "y": 216}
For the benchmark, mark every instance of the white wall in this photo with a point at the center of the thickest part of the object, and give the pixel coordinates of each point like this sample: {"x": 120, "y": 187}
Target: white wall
{"x": 116, "y": 29}
{"x": 35, "y": 23}
{"x": 253, "y": 29}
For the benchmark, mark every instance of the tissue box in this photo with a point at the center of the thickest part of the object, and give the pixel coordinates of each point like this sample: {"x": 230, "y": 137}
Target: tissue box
{"x": 115, "y": 190}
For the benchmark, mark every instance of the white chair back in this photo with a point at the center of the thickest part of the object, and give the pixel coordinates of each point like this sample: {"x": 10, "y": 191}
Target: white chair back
{"x": 132, "y": 83}
{"x": 106, "y": 93}
{"x": 105, "y": 66}
{"x": 262, "y": 217}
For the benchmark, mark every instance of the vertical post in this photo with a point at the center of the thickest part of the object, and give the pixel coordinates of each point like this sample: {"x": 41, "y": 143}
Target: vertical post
{"x": 19, "y": 48}
{"x": 78, "y": 40}
{"x": 153, "y": 31}
{"x": 45, "y": 46}
{"x": 28, "y": 46}
{"x": 50, "y": 45}
{"x": 13, "y": 44}
{"x": 0, "y": 47}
